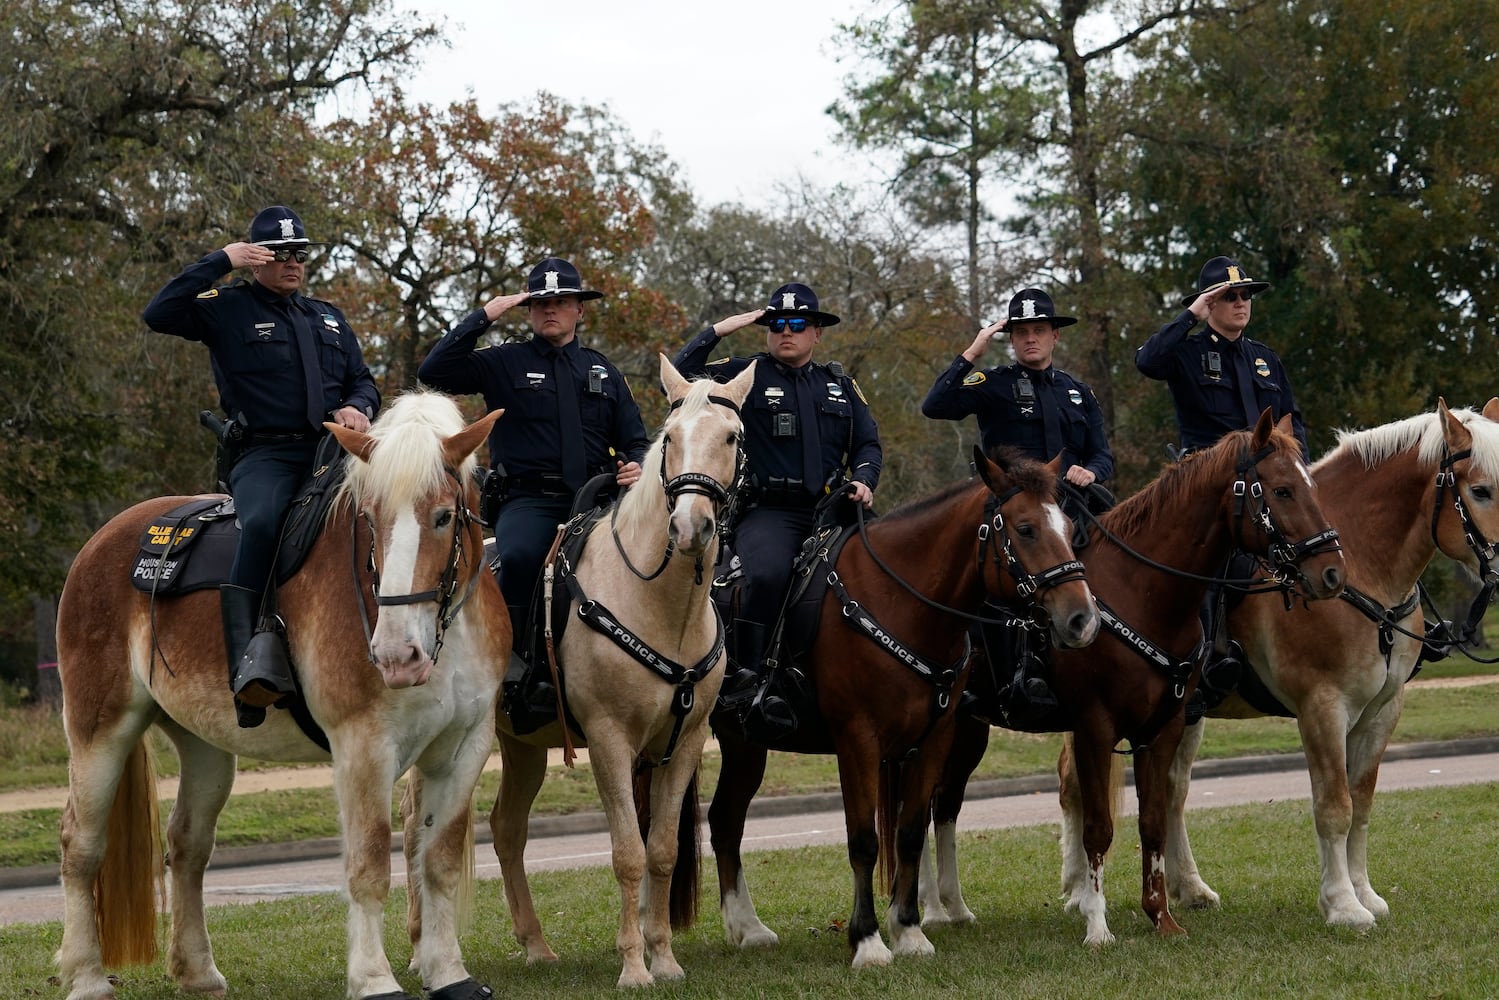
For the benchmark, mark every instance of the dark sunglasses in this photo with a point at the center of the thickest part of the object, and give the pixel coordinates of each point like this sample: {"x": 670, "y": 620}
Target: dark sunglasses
{"x": 795, "y": 325}
{"x": 299, "y": 255}
{"x": 1236, "y": 296}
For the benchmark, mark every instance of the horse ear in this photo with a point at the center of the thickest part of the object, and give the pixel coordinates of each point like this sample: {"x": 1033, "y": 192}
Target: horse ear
{"x": 356, "y": 443}
{"x": 1454, "y": 433}
{"x": 1284, "y": 425}
{"x": 1262, "y": 429}
{"x": 676, "y": 386}
{"x": 993, "y": 474}
{"x": 1054, "y": 467}
{"x": 1491, "y": 408}
{"x": 740, "y": 385}
{"x": 463, "y": 444}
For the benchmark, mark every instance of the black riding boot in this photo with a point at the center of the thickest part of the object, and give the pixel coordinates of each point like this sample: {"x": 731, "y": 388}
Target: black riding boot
{"x": 1220, "y": 678}
{"x": 530, "y": 698}
{"x": 746, "y": 651}
{"x": 257, "y": 684}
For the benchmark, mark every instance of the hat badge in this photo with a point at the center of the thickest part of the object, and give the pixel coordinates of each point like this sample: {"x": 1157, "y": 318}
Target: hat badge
{"x": 1027, "y": 309}
{"x": 551, "y": 277}
{"x": 1234, "y": 274}
{"x": 788, "y": 300}
{"x": 287, "y": 231}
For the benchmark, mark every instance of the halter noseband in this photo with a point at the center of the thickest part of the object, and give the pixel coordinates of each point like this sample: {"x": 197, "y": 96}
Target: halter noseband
{"x": 1027, "y": 585}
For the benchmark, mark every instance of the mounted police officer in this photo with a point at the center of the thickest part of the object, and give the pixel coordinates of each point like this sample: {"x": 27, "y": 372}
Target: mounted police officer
{"x": 569, "y": 416}
{"x": 1035, "y": 408}
{"x": 808, "y": 432}
{"x": 284, "y": 363}
{"x": 1220, "y": 381}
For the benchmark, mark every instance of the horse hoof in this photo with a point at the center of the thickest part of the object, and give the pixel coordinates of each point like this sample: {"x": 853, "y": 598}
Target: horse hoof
{"x": 464, "y": 989}
{"x": 871, "y": 953}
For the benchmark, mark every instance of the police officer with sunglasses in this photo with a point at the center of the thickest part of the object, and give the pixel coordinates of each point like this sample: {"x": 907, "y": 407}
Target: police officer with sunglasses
{"x": 285, "y": 363}
{"x": 808, "y": 433}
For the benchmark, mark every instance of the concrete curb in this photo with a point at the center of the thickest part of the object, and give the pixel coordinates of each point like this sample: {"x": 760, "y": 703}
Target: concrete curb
{"x": 781, "y": 805}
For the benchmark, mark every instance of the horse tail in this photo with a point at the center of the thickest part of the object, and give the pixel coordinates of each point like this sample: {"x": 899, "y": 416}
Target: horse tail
{"x": 684, "y": 877}
{"x": 887, "y": 799}
{"x": 132, "y": 877}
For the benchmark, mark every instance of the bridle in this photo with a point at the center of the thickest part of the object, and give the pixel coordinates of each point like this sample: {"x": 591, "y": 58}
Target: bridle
{"x": 1481, "y": 547}
{"x": 447, "y": 584}
{"x": 1284, "y": 555}
{"x": 723, "y": 498}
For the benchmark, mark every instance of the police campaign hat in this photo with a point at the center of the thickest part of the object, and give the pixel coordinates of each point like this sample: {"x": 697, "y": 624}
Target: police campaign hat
{"x": 279, "y": 226}
{"x": 1224, "y": 272}
{"x": 795, "y": 299}
{"x": 556, "y": 277}
{"x": 1031, "y": 304}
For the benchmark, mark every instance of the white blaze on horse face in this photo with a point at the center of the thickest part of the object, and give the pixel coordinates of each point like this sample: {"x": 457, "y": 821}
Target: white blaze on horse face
{"x": 1058, "y": 521}
{"x": 401, "y": 644}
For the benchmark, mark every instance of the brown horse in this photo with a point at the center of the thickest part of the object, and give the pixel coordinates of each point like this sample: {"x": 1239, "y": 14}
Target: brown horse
{"x": 887, "y": 664}
{"x": 1398, "y": 495}
{"x": 417, "y": 693}
{"x": 1150, "y": 567}
{"x": 639, "y": 683}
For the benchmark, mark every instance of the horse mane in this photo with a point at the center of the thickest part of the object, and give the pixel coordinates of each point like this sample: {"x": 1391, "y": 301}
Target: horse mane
{"x": 1422, "y": 432}
{"x": 408, "y": 462}
{"x": 640, "y": 509}
{"x": 1177, "y": 483}
{"x": 1031, "y": 476}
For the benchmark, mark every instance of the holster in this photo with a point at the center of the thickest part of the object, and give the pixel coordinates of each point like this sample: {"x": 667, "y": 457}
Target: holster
{"x": 493, "y": 491}
{"x": 230, "y": 435}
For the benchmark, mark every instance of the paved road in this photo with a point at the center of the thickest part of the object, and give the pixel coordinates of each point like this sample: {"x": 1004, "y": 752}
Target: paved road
{"x": 283, "y": 877}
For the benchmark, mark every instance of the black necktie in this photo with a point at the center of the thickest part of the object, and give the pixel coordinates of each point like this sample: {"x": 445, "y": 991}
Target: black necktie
{"x": 312, "y": 372}
{"x": 570, "y": 421}
{"x": 1245, "y": 382}
{"x": 806, "y": 415}
{"x": 1051, "y": 419}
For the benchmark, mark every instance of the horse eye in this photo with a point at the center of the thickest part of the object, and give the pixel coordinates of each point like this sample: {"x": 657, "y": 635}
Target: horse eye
{"x": 732, "y": 438}
{"x": 1481, "y": 492}
{"x": 1026, "y": 531}
{"x": 444, "y": 518}
{"x": 1284, "y": 492}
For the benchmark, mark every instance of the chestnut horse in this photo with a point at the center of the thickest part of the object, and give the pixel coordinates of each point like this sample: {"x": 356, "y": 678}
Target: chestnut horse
{"x": 1398, "y": 495}
{"x": 640, "y": 683}
{"x": 417, "y": 693}
{"x": 887, "y": 664}
{"x": 1150, "y": 566}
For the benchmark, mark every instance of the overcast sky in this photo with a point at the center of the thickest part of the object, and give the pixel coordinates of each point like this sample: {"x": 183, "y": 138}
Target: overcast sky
{"x": 734, "y": 92}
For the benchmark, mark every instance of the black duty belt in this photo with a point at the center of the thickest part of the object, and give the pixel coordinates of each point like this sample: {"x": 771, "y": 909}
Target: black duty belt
{"x": 280, "y": 437}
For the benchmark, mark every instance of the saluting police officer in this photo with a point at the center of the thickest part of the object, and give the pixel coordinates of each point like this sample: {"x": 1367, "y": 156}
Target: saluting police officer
{"x": 805, "y": 425}
{"x": 569, "y": 416}
{"x": 284, "y": 363}
{"x": 1035, "y": 408}
{"x": 1220, "y": 380}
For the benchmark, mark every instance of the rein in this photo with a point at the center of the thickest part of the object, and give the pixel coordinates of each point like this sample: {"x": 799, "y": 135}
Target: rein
{"x": 447, "y": 584}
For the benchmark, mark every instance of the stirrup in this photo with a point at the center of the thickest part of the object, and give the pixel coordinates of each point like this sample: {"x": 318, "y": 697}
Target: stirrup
{"x": 769, "y": 721}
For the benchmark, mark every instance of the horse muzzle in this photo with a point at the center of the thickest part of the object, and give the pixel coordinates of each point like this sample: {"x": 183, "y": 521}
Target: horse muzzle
{"x": 402, "y": 663}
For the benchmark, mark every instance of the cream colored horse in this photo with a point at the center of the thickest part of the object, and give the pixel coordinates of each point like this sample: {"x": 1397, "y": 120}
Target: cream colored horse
{"x": 630, "y": 713}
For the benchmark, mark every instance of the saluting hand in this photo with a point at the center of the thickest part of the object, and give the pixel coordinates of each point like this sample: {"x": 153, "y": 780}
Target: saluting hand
{"x": 501, "y": 304}
{"x": 1204, "y": 302}
{"x": 248, "y": 255}
{"x": 981, "y": 342}
{"x": 728, "y": 325}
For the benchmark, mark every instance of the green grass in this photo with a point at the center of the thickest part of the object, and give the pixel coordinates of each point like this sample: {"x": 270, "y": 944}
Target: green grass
{"x": 1268, "y": 939}
{"x": 30, "y": 837}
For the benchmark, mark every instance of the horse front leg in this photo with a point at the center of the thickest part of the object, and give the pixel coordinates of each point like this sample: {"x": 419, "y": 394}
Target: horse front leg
{"x": 1070, "y": 799}
{"x": 1366, "y": 748}
{"x": 942, "y": 896}
{"x": 669, "y": 786}
{"x": 207, "y": 776}
{"x": 445, "y": 850}
{"x": 1184, "y": 884}
{"x": 918, "y": 781}
{"x": 858, "y": 775}
{"x": 742, "y": 769}
{"x": 612, "y": 757}
{"x": 1323, "y": 728}
{"x": 1152, "y": 769}
{"x": 1092, "y": 755}
{"x": 363, "y": 780}
{"x": 523, "y": 767}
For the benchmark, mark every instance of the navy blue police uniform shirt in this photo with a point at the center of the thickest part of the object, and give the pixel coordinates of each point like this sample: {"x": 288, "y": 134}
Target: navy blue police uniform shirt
{"x": 253, "y": 336}
{"x": 1201, "y": 371}
{"x": 845, "y": 425}
{"x": 518, "y": 377}
{"x": 1012, "y": 413}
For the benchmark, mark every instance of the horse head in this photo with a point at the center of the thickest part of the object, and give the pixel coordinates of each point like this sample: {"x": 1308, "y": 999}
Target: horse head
{"x": 700, "y": 455}
{"x": 1033, "y": 545}
{"x": 1274, "y": 509}
{"x": 1469, "y": 468}
{"x": 411, "y": 479}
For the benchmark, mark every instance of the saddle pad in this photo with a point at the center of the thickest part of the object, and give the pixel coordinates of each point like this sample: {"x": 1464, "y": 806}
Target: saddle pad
{"x": 203, "y": 528}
